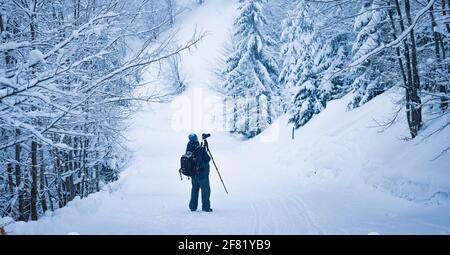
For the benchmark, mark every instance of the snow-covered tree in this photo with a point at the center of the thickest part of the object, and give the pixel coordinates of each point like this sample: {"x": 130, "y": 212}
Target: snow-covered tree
{"x": 298, "y": 74}
{"x": 330, "y": 59}
{"x": 251, "y": 71}
{"x": 371, "y": 77}
{"x": 67, "y": 85}
{"x": 289, "y": 51}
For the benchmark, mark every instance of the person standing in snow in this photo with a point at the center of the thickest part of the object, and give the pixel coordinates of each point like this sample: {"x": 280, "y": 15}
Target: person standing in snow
{"x": 201, "y": 180}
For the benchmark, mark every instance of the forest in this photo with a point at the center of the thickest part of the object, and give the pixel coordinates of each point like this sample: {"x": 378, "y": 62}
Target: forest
{"x": 70, "y": 71}
{"x": 68, "y": 79}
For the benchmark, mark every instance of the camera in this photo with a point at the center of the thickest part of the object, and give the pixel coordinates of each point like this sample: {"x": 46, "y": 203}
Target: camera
{"x": 205, "y": 135}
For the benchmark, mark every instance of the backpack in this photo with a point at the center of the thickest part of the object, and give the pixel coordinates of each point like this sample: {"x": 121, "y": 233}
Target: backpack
{"x": 190, "y": 164}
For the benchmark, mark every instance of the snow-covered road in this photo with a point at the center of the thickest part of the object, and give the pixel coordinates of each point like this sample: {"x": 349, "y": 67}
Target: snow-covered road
{"x": 275, "y": 187}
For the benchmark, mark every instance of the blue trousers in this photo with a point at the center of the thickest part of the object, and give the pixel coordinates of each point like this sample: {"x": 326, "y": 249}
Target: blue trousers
{"x": 200, "y": 182}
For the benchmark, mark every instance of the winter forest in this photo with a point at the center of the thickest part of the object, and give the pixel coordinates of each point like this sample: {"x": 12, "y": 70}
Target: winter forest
{"x": 327, "y": 49}
{"x": 73, "y": 73}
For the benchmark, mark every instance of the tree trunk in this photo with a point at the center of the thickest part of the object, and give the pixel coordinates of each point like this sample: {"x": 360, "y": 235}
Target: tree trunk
{"x": 9, "y": 166}
{"x": 34, "y": 188}
{"x": 445, "y": 67}
{"x": 408, "y": 67}
{"x": 397, "y": 49}
{"x": 269, "y": 110}
{"x": 50, "y": 199}
{"x": 445, "y": 13}
{"x": 97, "y": 168}
{"x": 71, "y": 171}
{"x": 42, "y": 180}
{"x": 224, "y": 113}
{"x": 235, "y": 115}
{"x": 9, "y": 170}
{"x": 58, "y": 178}
{"x": 33, "y": 28}
{"x": 3, "y": 28}
{"x": 416, "y": 104}
{"x": 68, "y": 178}
{"x": 97, "y": 177}
{"x": 171, "y": 9}
{"x": 86, "y": 171}
{"x": 77, "y": 164}
{"x": 258, "y": 114}
{"x": 247, "y": 118}
{"x": 82, "y": 166}
{"x": 65, "y": 172}
{"x": 76, "y": 12}
{"x": 19, "y": 184}
{"x": 440, "y": 64}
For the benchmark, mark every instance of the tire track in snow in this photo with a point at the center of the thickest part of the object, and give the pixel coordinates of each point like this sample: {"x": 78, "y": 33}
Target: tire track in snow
{"x": 306, "y": 215}
{"x": 283, "y": 215}
{"x": 256, "y": 228}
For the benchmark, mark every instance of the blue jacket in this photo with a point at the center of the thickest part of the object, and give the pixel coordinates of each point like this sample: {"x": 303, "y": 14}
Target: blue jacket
{"x": 201, "y": 153}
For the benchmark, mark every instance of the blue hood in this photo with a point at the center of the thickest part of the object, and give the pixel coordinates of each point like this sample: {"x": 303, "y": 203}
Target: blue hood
{"x": 193, "y": 138}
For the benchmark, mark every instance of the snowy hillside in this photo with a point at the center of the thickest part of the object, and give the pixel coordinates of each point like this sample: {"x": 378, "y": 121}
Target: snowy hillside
{"x": 342, "y": 173}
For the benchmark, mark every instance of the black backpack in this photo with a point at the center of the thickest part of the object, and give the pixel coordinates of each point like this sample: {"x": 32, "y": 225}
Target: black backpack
{"x": 190, "y": 163}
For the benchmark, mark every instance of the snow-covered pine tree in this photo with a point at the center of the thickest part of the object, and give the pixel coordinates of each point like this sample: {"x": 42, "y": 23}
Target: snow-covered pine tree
{"x": 329, "y": 61}
{"x": 298, "y": 75}
{"x": 68, "y": 83}
{"x": 251, "y": 72}
{"x": 371, "y": 77}
{"x": 435, "y": 48}
{"x": 288, "y": 54}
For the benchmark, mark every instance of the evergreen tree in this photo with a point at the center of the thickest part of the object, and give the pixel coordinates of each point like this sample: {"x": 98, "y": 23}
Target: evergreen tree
{"x": 298, "y": 71}
{"x": 329, "y": 61}
{"x": 289, "y": 52}
{"x": 369, "y": 78}
{"x": 251, "y": 71}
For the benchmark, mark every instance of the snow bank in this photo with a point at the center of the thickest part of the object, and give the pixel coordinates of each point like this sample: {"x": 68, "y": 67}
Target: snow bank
{"x": 350, "y": 147}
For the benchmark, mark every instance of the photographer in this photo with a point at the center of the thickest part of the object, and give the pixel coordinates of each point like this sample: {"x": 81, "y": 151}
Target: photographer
{"x": 200, "y": 180}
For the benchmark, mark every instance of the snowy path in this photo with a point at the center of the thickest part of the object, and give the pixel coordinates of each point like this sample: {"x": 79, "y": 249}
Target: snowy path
{"x": 266, "y": 181}
{"x": 149, "y": 198}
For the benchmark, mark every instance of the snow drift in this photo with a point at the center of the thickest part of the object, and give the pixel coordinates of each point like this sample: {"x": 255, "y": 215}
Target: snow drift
{"x": 340, "y": 175}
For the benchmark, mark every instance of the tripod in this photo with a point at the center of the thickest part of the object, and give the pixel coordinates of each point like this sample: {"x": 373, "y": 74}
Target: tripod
{"x": 206, "y": 146}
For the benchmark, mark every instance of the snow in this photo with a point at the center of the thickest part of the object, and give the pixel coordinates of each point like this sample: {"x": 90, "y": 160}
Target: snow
{"x": 340, "y": 175}
{"x": 35, "y": 57}
{"x": 13, "y": 45}
{"x": 3, "y": 93}
{"x": 7, "y": 82}
{"x": 5, "y": 221}
{"x": 98, "y": 29}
